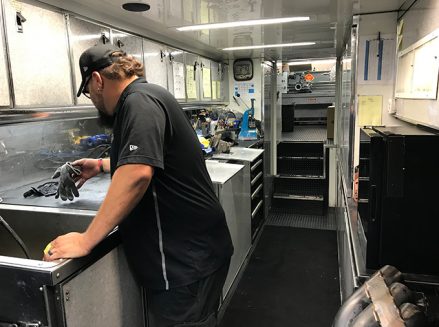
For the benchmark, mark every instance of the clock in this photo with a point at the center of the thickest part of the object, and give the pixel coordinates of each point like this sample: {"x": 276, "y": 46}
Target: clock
{"x": 243, "y": 69}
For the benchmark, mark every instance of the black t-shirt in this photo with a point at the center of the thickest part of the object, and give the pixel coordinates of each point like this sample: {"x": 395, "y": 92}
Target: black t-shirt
{"x": 178, "y": 233}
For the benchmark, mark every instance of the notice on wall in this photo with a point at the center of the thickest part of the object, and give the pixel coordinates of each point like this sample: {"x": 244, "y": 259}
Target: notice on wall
{"x": 214, "y": 94}
{"x": 178, "y": 73}
{"x": 207, "y": 87}
{"x": 370, "y": 110}
{"x": 243, "y": 88}
{"x": 376, "y": 60}
{"x": 191, "y": 85}
{"x": 218, "y": 89}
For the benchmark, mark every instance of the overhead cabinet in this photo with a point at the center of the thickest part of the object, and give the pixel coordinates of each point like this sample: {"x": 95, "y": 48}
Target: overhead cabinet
{"x": 38, "y": 54}
{"x": 4, "y": 80}
{"x": 205, "y": 80}
{"x": 156, "y": 61}
{"x": 83, "y": 35}
{"x": 220, "y": 84}
{"x": 131, "y": 44}
{"x": 192, "y": 71}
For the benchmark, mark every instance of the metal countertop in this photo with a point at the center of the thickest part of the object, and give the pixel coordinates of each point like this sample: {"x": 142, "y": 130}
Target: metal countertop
{"x": 220, "y": 172}
{"x": 242, "y": 154}
{"x": 90, "y": 197}
{"x": 93, "y": 192}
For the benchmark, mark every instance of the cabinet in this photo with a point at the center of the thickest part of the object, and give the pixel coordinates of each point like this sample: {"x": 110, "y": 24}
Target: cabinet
{"x": 193, "y": 72}
{"x": 205, "y": 80}
{"x": 84, "y": 35}
{"x": 229, "y": 186}
{"x": 156, "y": 63}
{"x": 38, "y": 53}
{"x": 220, "y": 82}
{"x": 252, "y": 159}
{"x": 4, "y": 79}
{"x": 398, "y": 198}
{"x": 131, "y": 44}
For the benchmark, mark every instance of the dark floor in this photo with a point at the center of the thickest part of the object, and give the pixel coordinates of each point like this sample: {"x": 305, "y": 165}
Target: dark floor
{"x": 291, "y": 280}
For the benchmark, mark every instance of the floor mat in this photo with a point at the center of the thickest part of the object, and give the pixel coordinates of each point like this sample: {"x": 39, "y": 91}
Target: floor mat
{"x": 291, "y": 280}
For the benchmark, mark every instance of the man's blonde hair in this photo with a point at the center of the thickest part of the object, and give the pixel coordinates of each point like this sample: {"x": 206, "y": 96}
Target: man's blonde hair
{"x": 124, "y": 67}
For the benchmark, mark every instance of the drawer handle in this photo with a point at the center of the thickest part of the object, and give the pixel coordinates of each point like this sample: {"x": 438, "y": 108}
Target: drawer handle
{"x": 256, "y": 192}
{"x": 256, "y": 165}
{"x": 257, "y": 208}
{"x": 256, "y": 178}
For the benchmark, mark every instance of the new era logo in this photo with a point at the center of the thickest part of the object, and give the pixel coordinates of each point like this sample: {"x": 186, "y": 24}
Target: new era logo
{"x": 133, "y": 147}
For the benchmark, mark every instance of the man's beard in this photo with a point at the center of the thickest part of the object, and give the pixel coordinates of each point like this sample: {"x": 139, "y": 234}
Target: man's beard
{"x": 105, "y": 120}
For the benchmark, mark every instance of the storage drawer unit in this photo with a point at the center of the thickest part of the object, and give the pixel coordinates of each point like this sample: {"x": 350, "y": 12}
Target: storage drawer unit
{"x": 253, "y": 161}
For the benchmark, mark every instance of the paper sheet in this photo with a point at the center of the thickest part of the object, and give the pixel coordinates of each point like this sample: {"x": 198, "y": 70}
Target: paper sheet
{"x": 178, "y": 73}
{"x": 207, "y": 88}
{"x": 214, "y": 94}
{"x": 191, "y": 85}
{"x": 370, "y": 110}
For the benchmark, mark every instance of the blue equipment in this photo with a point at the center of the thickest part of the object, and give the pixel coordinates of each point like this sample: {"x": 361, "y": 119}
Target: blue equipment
{"x": 248, "y": 125}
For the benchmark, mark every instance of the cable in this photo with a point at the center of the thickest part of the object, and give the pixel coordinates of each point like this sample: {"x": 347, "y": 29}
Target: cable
{"x": 15, "y": 236}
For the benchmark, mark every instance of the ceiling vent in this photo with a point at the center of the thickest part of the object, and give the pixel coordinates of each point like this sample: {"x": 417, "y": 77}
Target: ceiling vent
{"x": 136, "y": 6}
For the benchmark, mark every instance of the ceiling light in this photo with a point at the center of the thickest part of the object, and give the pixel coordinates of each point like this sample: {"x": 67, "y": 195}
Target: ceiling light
{"x": 242, "y": 23}
{"x": 297, "y": 63}
{"x": 136, "y": 6}
{"x": 299, "y": 44}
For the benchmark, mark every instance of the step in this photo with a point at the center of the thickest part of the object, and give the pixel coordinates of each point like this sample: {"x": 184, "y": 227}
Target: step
{"x": 299, "y": 206}
{"x": 300, "y": 187}
{"x": 300, "y": 149}
{"x": 287, "y": 196}
{"x": 292, "y": 176}
{"x": 312, "y": 167}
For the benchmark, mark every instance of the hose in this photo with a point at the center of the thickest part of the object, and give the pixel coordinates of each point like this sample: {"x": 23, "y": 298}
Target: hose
{"x": 15, "y": 236}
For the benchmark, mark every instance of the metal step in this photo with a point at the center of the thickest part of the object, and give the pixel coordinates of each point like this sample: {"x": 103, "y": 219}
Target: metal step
{"x": 312, "y": 167}
{"x": 299, "y": 206}
{"x": 300, "y": 187}
{"x": 291, "y": 176}
{"x": 298, "y": 197}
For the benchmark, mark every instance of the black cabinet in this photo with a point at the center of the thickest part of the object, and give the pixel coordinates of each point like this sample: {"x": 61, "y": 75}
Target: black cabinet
{"x": 399, "y": 198}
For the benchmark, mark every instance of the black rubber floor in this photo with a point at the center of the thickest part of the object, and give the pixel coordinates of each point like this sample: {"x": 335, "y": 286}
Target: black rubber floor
{"x": 291, "y": 280}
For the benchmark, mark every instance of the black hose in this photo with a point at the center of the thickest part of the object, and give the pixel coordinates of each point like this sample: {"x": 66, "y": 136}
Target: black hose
{"x": 15, "y": 236}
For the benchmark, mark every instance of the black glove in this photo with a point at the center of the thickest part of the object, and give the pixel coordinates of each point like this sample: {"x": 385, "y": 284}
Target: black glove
{"x": 46, "y": 189}
{"x": 67, "y": 188}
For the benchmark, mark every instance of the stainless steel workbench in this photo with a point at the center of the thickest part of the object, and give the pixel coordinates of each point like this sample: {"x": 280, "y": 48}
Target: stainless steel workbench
{"x": 229, "y": 185}
{"x": 98, "y": 289}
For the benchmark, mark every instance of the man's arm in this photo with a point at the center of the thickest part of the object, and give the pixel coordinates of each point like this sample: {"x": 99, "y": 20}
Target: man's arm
{"x": 128, "y": 185}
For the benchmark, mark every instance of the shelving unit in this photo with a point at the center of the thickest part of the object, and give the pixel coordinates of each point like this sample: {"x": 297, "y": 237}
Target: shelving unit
{"x": 301, "y": 185}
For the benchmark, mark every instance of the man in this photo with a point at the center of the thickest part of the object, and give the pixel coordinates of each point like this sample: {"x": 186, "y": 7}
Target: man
{"x": 173, "y": 228}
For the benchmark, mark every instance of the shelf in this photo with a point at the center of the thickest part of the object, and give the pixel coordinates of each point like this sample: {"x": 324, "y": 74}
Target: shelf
{"x": 300, "y": 158}
{"x": 300, "y": 176}
{"x": 298, "y": 197}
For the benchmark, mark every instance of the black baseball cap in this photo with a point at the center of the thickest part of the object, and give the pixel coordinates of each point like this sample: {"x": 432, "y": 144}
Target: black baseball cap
{"x": 93, "y": 59}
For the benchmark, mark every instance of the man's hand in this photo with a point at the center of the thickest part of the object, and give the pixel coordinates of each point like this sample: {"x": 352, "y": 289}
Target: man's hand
{"x": 89, "y": 168}
{"x": 66, "y": 187}
{"x": 71, "y": 245}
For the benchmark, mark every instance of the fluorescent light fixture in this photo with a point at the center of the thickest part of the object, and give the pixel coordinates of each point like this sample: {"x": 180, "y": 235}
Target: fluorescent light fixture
{"x": 298, "y": 44}
{"x": 297, "y": 63}
{"x": 242, "y": 23}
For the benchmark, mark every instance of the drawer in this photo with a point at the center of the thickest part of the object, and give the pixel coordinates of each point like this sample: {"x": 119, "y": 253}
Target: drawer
{"x": 256, "y": 167}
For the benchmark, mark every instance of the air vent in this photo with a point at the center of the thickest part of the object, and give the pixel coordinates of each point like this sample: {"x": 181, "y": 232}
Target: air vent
{"x": 136, "y": 6}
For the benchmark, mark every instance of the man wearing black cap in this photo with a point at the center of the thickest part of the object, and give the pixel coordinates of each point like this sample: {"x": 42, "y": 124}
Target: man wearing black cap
{"x": 173, "y": 228}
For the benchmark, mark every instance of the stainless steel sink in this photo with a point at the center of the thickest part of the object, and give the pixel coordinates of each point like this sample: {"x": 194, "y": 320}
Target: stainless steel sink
{"x": 37, "y": 226}
{"x": 97, "y": 290}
